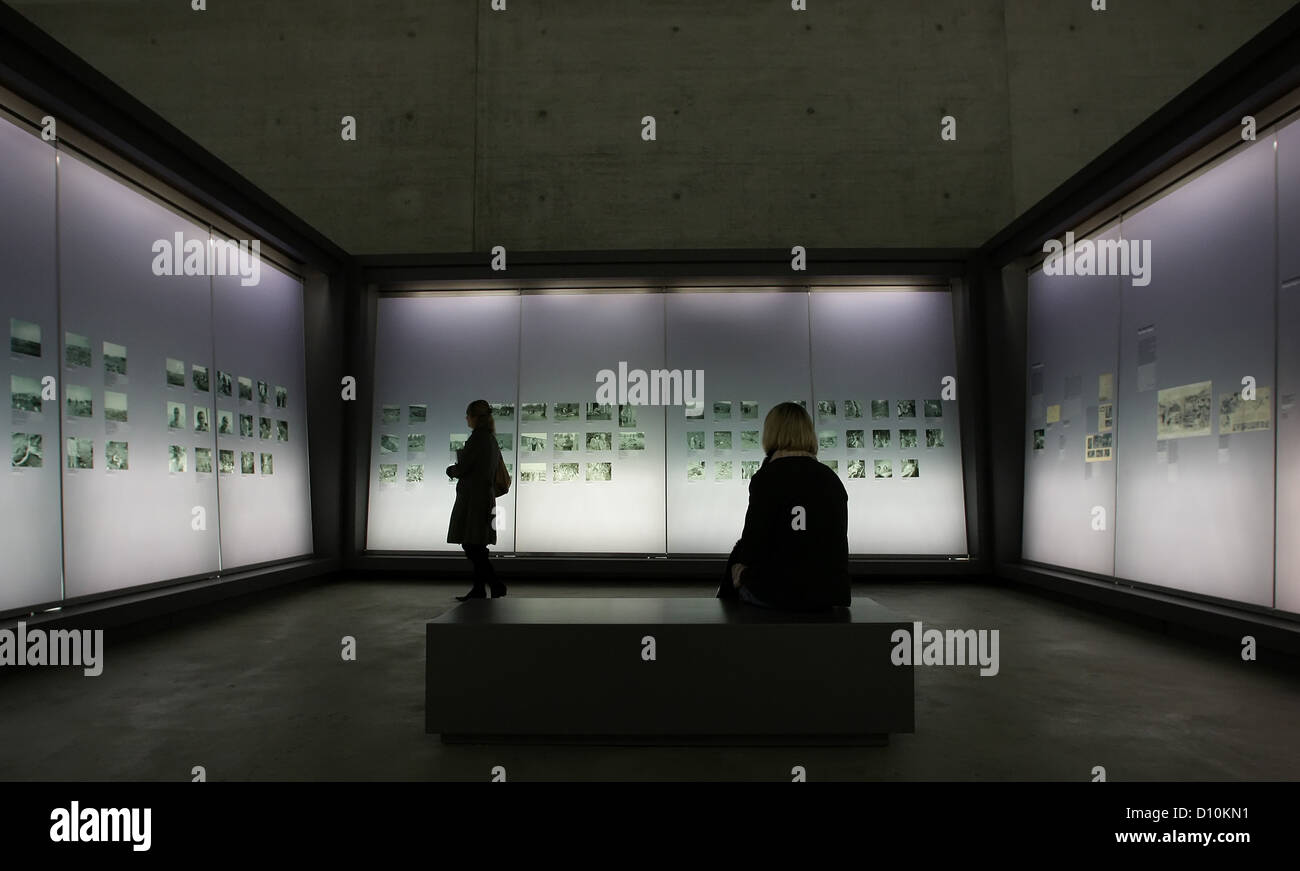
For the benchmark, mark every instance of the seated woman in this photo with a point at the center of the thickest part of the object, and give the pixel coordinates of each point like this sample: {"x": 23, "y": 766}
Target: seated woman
{"x": 794, "y": 551}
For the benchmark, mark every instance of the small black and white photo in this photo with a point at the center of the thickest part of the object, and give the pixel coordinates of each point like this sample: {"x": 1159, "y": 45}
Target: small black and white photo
{"x": 933, "y": 408}
{"x": 748, "y": 468}
{"x": 114, "y": 360}
{"x": 532, "y": 472}
{"x": 880, "y": 409}
{"x": 247, "y": 463}
{"x": 116, "y": 456}
{"x": 599, "y": 441}
{"x": 909, "y": 469}
{"x": 749, "y": 440}
{"x": 201, "y": 421}
{"x": 599, "y": 471}
{"x": 749, "y": 409}
{"x": 24, "y": 338}
{"x": 414, "y": 472}
{"x": 245, "y": 389}
{"x": 884, "y": 469}
{"x": 456, "y": 441}
{"x": 388, "y": 443}
{"x": 563, "y": 472}
{"x": 225, "y": 462}
{"x": 390, "y": 413}
{"x": 532, "y": 442}
{"x": 502, "y": 410}
{"x": 907, "y": 408}
{"x": 282, "y": 432}
{"x": 268, "y": 467}
{"x": 115, "y": 408}
{"x": 175, "y": 370}
{"x": 722, "y": 409}
{"x": 722, "y": 470}
{"x": 81, "y": 453}
{"x": 722, "y": 441}
{"x": 695, "y": 440}
{"x": 530, "y": 411}
{"x": 627, "y": 417}
{"x": 414, "y": 413}
{"x": 825, "y": 410}
{"x": 827, "y": 440}
{"x": 264, "y": 427}
{"x": 414, "y": 442}
{"x": 203, "y": 460}
{"x": 24, "y": 393}
{"x": 27, "y": 452}
{"x": 506, "y": 441}
{"x": 695, "y": 471}
{"x": 263, "y": 392}
{"x": 224, "y": 383}
{"x": 1040, "y": 439}
{"x": 857, "y": 468}
{"x": 246, "y": 426}
{"x": 934, "y": 438}
{"x": 176, "y": 455}
{"x": 855, "y": 439}
{"x": 388, "y": 473}
{"x": 225, "y": 422}
{"x": 880, "y": 439}
{"x": 600, "y": 411}
{"x": 852, "y": 409}
{"x": 282, "y": 398}
{"x": 565, "y": 441}
{"x": 906, "y": 438}
{"x": 80, "y": 403}
{"x": 199, "y": 378}
{"x": 76, "y": 351}
{"x": 564, "y": 411}
{"x": 631, "y": 441}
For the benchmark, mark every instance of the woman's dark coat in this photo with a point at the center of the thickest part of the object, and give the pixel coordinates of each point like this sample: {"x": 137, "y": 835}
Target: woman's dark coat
{"x": 475, "y": 469}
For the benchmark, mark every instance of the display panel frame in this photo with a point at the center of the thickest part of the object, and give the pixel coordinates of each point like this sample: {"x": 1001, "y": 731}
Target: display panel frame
{"x": 853, "y": 277}
{"x": 132, "y": 180}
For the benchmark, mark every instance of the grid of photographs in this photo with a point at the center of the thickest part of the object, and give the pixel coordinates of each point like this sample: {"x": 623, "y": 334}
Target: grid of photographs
{"x": 920, "y": 428}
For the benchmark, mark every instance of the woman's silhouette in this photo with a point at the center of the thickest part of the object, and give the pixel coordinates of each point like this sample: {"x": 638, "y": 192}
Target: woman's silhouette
{"x": 473, "y": 516}
{"x": 794, "y": 551}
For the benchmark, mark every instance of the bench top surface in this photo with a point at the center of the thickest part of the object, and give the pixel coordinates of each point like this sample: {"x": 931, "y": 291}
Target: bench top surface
{"x": 701, "y": 610}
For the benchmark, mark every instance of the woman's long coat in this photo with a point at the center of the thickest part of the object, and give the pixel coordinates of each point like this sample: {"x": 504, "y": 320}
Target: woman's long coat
{"x": 475, "y": 470}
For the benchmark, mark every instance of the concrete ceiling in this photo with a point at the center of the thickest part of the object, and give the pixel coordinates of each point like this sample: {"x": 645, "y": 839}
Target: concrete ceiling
{"x": 774, "y": 127}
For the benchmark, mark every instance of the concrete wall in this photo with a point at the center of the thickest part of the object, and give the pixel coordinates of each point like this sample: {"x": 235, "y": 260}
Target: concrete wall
{"x": 775, "y": 127}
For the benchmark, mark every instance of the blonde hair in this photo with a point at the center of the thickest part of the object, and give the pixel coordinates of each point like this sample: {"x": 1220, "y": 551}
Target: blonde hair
{"x": 789, "y": 428}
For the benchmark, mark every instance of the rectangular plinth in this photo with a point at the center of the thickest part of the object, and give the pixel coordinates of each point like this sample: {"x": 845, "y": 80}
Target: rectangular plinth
{"x": 579, "y": 668}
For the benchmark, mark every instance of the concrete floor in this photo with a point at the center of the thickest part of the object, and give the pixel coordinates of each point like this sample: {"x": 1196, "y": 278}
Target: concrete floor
{"x": 257, "y": 691}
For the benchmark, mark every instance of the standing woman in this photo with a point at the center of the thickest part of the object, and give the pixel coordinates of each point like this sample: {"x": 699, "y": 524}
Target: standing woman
{"x": 473, "y": 516}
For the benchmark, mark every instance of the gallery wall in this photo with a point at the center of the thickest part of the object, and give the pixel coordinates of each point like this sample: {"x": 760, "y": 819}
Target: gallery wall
{"x": 868, "y": 363}
{"x": 128, "y": 366}
{"x": 29, "y": 497}
{"x": 1145, "y": 458}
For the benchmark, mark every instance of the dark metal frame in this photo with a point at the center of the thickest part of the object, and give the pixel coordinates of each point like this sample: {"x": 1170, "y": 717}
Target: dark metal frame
{"x": 1253, "y": 80}
{"x": 380, "y": 276}
{"x": 43, "y": 73}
